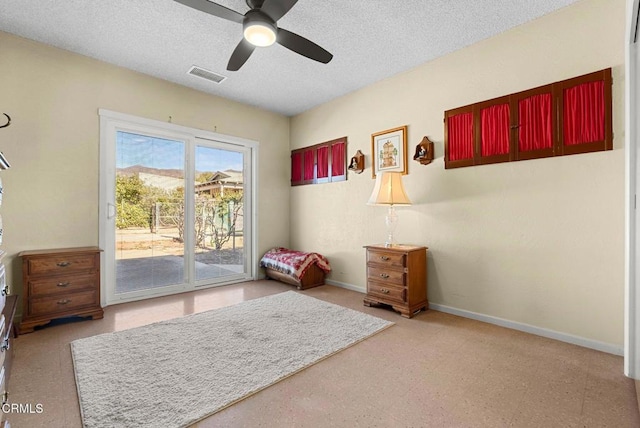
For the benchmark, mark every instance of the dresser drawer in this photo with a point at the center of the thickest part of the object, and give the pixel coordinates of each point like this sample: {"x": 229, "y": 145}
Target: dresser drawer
{"x": 57, "y": 304}
{"x": 388, "y": 276}
{"x": 386, "y": 258}
{"x": 61, "y": 284}
{"x": 386, "y": 292}
{"x": 60, "y": 264}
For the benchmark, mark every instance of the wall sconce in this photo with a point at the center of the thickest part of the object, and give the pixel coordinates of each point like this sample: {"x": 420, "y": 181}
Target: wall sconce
{"x": 424, "y": 152}
{"x": 356, "y": 164}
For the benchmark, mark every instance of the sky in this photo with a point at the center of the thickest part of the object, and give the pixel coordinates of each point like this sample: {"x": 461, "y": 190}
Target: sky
{"x": 135, "y": 149}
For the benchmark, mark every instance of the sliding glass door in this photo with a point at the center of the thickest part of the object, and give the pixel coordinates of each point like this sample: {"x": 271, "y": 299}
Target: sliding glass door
{"x": 219, "y": 211}
{"x": 176, "y": 210}
{"x": 149, "y": 212}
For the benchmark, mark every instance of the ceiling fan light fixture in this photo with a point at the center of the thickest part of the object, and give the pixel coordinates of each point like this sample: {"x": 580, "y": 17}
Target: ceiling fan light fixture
{"x": 259, "y": 30}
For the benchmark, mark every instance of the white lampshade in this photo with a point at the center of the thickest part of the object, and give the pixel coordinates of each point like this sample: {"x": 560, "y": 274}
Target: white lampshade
{"x": 389, "y": 190}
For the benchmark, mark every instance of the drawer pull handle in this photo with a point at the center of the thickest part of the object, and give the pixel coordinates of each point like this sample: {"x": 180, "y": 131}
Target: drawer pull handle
{"x": 5, "y": 345}
{"x": 384, "y": 291}
{"x": 385, "y": 258}
{"x": 384, "y": 275}
{"x": 5, "y": 291}
{"x": 63, "y": 284}
{"x": 63, "y": 302}
{"x": 63, "y": 264}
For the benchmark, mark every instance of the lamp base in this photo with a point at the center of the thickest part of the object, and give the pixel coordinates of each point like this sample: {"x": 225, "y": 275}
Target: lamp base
{"x": 391, "y": 220}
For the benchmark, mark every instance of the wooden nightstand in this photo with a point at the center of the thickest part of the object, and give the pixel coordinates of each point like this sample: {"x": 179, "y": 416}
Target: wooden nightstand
{"x": 397, "y": 276}
{"x": 60, "y": 283}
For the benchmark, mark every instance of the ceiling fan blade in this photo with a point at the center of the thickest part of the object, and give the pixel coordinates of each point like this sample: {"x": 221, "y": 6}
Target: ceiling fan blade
{"x": 276, "y": 9}
{"x": 213, "y": 9}
{"x": 240, "y": 55}
{"x": 302, "y": 46}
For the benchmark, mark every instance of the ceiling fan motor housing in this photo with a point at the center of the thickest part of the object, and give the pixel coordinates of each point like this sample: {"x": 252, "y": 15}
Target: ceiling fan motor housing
{"x": 254, "y": 4}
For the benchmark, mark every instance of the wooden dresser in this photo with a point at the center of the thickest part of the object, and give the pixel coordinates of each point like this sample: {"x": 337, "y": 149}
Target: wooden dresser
{"x": 397, "y": 276}
{"x": 60, "y": 283}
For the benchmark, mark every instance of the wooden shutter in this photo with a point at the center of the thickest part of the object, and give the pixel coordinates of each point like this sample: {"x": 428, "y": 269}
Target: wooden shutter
{"x": 585, "y": 118}
{"x": 296, "y": 167}
{"x": 339, "y": 159}
{"x": 493, "y": 121}
{"x": 322, "y": 155}
{"x": 535, "y": 124}
{"x": 459, "y": 137}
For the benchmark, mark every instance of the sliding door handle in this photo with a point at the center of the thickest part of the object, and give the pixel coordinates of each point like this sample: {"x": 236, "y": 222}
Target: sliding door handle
{"x": 111, "y": 210}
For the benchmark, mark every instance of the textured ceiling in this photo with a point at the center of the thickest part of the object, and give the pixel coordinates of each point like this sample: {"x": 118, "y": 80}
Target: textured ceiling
{"x": 370, "y": 40}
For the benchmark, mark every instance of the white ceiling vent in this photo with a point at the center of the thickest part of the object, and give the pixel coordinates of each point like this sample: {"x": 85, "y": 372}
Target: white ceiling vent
{"x": 206, "y": 74}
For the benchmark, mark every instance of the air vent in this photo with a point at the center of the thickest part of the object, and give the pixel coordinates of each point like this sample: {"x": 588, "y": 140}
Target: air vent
{"x": 206, "y": 74}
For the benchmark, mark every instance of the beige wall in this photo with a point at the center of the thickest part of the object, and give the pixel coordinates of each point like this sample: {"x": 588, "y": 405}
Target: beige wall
{"x": 537, "y": 242}
{"x": 53, "y": 97}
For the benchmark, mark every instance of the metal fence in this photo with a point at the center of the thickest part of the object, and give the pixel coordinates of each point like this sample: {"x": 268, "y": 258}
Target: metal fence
{"x": 216, "y": 223}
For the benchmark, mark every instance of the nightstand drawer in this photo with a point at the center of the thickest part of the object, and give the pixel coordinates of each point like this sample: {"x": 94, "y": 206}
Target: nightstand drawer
{"x": 387, "y": 276}
{"x": 386, "y": 258}
{"x": 387, "y": 292}
{"x": 61, "y": 284}
{"x": 61, "y": 264}
{"x": 68, "y": 302}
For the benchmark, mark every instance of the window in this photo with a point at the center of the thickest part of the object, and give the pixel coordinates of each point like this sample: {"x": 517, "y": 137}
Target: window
{"x": 563, "y": 118}
{"x": 322, "y": 163}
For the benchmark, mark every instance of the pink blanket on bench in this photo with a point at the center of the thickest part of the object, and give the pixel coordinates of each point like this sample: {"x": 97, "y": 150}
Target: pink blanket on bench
{"x": 294, "y": 263}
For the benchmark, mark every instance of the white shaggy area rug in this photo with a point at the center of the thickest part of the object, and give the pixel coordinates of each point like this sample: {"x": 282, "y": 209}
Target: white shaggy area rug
{"x": 177, "y": 372}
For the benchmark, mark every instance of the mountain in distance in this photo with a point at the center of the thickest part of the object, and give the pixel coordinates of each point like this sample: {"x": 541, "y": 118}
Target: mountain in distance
{"x": 175, "y": 173}
{"x": 137, "y": 169}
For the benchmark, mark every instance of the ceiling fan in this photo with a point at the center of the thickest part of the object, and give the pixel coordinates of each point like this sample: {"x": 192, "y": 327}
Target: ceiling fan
{"x": 261, "y": 29}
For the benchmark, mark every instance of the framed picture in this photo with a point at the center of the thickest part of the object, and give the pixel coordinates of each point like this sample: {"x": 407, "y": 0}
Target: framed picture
{"x": 389, "y": 151}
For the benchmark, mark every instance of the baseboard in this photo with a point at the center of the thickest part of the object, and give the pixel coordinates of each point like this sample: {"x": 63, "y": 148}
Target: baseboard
{"x": 539, "y": 331}
{"x": 345, "y": 285}
{"x": 527, "y": 328}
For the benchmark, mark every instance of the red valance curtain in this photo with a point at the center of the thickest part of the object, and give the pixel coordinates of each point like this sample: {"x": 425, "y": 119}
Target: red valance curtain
{"x": 494, "y": 125}
{"x": 337, "y": 159}
{"x": 323, "y": 161}
{"x": 583, "y": 118}
{"x": 534, "y": 119}
{"x": 308, "y": 165}
{"x": 296, "y": 167}
{"x": 460, "y": 136}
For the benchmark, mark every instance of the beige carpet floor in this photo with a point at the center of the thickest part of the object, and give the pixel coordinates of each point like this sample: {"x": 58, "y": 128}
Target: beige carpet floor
{"x": 435, "y": 370}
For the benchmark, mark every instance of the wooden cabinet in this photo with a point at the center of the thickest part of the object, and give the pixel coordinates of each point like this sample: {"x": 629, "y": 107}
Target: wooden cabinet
{"x": 322, "y": 163}
{"x": 397, "y": 276}
{"x": 60, "y": 283}
{"x": 7, "y": 331}
{"x": 563, "y": 118}
{"x": 8, "y": 305}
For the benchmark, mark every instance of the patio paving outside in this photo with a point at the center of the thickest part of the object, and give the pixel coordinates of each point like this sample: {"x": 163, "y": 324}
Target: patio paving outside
{"x": 146, "y": 260}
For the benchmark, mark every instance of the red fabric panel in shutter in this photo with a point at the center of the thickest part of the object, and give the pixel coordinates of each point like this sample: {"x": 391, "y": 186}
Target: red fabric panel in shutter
{"x": 337, "y": 159}
{"x": 494, "y": 123}
{"x": 534, "y": 119}
{"x": 308, "y": 164}
{"x": 296, "y": 167}
{"x": 460, "y": 135}
{"x": 323, "y": 162}
{"x": 583, "y": 116}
